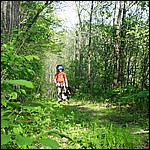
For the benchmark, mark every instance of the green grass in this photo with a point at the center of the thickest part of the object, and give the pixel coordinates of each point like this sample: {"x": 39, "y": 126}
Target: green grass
{"x": 78, "y": 125}
{"x": 94, "y": 126}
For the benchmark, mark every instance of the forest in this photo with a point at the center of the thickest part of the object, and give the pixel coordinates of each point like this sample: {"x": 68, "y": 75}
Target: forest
{"x": 105, "y": 55}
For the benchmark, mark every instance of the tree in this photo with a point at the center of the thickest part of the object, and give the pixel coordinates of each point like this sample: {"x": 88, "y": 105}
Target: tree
{"x": 89, "y": 49}
{"x": 9, "y": 17}
{"x": 116, "y": 49}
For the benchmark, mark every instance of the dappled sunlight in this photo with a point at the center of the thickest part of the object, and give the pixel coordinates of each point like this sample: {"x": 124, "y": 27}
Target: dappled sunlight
{"x": 81, "y": 118}
{"x": 74, "y": 75}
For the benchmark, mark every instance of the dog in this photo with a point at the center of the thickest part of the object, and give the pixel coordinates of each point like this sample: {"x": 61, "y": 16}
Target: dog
{"x": 72, "y": 90}
{"x": 66, "y": 94}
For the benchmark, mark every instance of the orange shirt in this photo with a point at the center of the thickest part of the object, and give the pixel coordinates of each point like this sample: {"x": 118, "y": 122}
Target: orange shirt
{"x": 60, "y": 77}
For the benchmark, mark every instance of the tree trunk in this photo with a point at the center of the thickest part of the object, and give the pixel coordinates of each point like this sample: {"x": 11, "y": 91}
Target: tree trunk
{"x": 128, "y": 68}
{"x": 77, "y": 52}
{"x": 89, "y": 51}
{"x": 122, "y": 49}
{"x": 116, "y": 50}
{"x": 145, "y": 71}
{"x": 9, "y": 17}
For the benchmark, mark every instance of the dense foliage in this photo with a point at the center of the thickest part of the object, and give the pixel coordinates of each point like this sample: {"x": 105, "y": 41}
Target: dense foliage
{"x": 106, "y": 53}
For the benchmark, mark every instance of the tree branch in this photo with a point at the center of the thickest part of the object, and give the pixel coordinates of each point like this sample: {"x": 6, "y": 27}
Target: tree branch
{"x": 37, "y": 15}
{"x": 32, "y": 22}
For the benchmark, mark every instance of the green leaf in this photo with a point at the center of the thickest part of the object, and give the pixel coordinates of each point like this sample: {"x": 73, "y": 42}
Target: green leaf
{"x": 5, "y": 139}
{"x": 14, "y": 104}
{"x": 17, "y": 130}
{"x": 4, "y": 123}
{"x": 23, "y": 141}
{"x": 23, "y": 91}
{"x": 19, "y": 82}
{"x": 4, "y": 58}
{"x": 31, "y": 109}
{"x": 3, "y": 102}
{"x": 13, "y": 95}
{"x": 49, "y": 142}
{"x": 36, "y": 104}
{"x": 36, "y": 57}
{"x": 4, "y": 113}
{"x": 30, "y": 57}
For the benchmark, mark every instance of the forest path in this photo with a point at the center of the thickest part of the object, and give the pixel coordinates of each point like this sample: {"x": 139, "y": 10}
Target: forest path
{"x": 107, "y": 115}
{"x": 94, "y": 107}
{"x": 84, "y": 119}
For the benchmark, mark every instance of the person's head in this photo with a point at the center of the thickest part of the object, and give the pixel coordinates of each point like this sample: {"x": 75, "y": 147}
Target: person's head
{"x": 60, "y": 68}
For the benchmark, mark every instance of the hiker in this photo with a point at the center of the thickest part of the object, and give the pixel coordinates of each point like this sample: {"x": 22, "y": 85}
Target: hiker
{"x": 61, "y": 82}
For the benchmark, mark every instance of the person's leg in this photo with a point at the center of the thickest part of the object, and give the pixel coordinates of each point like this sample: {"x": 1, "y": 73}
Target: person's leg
{"x": 62, "y": 92}
{"x": 64, "y": 88}
{"x": 59, "y": 93}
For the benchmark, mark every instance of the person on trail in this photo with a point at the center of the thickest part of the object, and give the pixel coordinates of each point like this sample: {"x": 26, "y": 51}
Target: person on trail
{"x": 60, "y": 79}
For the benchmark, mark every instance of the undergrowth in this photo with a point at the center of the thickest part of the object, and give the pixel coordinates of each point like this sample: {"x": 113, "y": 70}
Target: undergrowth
{"x": 78, "y": 125}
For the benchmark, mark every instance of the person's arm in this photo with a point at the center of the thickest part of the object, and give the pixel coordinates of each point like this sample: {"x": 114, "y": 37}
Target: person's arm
{"x": 66, "y": 82}
{"x": 55, "y": 79}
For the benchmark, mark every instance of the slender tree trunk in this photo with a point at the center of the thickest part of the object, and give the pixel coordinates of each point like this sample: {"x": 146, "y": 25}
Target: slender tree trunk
{"x": 89, "y": 51}
{"x": 116, "y": 50}
{"x": 128, "y": 68}
{"x": 81, "y": 40}
{"x": 106, "y": 65}
{"x": 134, "y": 71}
{"x": 79, "y": 14}
{"x": 145, "y": 70}
{"x": 114, "y": 14}
{"x": 76, "y": 55}
{"x": 122, "y": 49}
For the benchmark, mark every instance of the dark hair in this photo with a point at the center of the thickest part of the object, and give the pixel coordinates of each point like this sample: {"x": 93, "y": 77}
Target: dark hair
{"x": 60, "y": 66}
